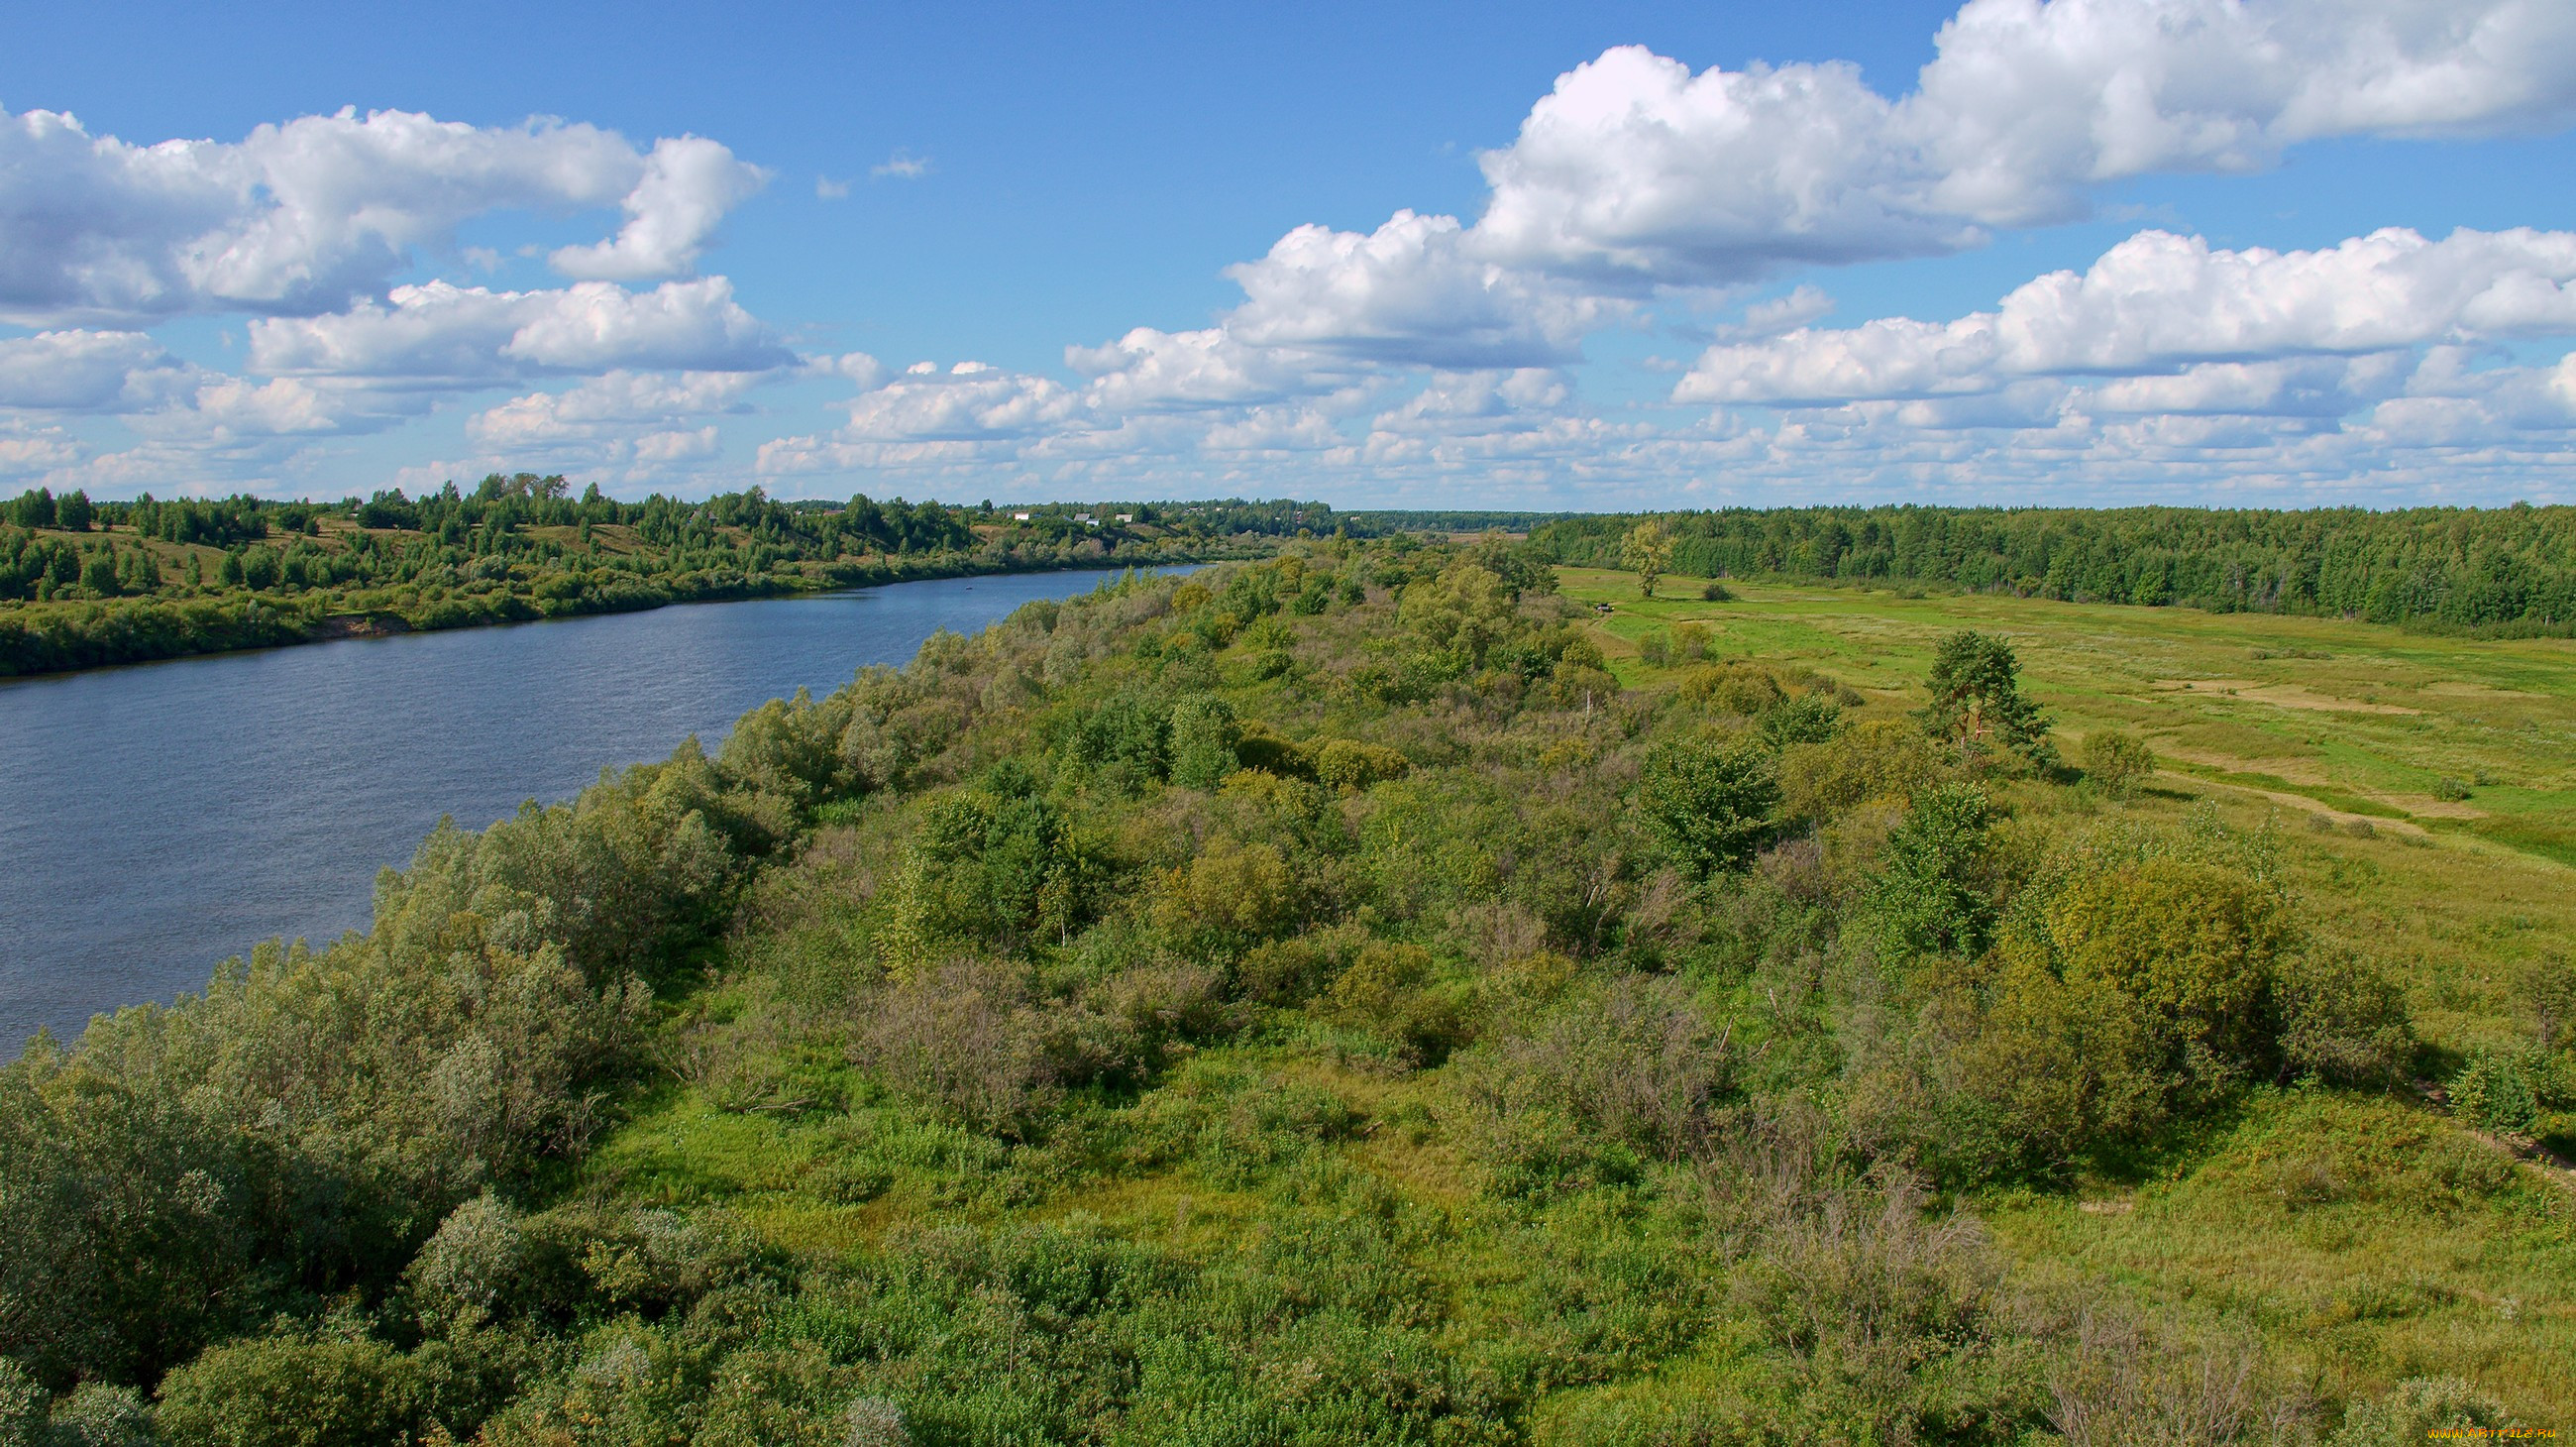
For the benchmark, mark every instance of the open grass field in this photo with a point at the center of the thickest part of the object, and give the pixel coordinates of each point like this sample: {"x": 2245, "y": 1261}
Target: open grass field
{"x": 2356, "y": 718}
{"x": 2336, "y": 1226}
{"x": 2355, "y": 726}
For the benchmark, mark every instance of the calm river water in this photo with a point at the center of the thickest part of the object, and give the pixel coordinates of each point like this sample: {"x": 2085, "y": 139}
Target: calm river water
{"x": 157, "y": 818}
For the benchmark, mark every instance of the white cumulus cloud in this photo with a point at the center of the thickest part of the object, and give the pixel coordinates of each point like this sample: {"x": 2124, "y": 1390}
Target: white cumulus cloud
{"x": 969, "y": 402}
{"x": 1635, "y": 176}
{"x": 31, "y": 452}
{"x": 613, "y": 405}
{"x": 689, "y": 184}
{"x": 2158, "y": 302}
{"x": 300, "y": 217}
{"x": 1411, "y": 292}
{"x": 1149, "y": 370}
{"x": 1636, "y": 170}
{"x": 86, "y": 371}
{"x": 443, "y": 334}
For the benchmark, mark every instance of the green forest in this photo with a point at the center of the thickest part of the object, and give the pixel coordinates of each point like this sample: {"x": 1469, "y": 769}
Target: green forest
{"x": 1349, "y": 996}
{"x": 85, "y": 583}
{"x": 2503, "y": 570}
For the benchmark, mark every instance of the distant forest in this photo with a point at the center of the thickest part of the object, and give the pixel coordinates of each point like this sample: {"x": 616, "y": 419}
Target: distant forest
{"x": 2508, "y": 570}
{"x": 85, "y": 583}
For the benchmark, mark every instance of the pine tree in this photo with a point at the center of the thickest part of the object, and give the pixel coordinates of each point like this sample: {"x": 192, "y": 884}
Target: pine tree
{"x": 1977, "y": 700}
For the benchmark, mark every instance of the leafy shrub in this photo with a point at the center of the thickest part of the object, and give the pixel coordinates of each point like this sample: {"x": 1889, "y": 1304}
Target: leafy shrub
{"x": 291, "y": 1391}
{"x": 2496, "y": 1091}
{"x": 898, "y": 724}
{"x": 2343, "y": 1021}
{"x": 261, "y": 568}
{"x": 1126, "y": 739}
{"x": 98, "y": 1414}
{"x": 1929, "y": 897}
{"x": 1289, "y": 972}
{"x": 1712, "y": 806}
{"x": 658, "y": 1262}
{"x": 1258, "y": 746}
{"x": 2191, "y": 946}
{"x": 1874, "y": 759}
{"x": 1808, "y": 719}
{"x": 1390, "y": 991}
{"x": 473, "y": 1261}
{"x": 998, "y": 867}
{"x": 1740, "y": 688}
{"x": 24, "y": 1406}
{"x": 2035, "y": 1081}
{"x": 1204, "y": 734}
{"x": 788, "y": 748}
{"x": 1229, "y": 897}
{"x": 1464, "y": 613}
{"x": 1579, "y": 681}
{"x": 2116, "y": 760}
{"x": 1349, "y": 764}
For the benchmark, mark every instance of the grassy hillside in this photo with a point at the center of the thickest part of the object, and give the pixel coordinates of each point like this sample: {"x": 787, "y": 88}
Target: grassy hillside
{"x": 1373, "y": 996}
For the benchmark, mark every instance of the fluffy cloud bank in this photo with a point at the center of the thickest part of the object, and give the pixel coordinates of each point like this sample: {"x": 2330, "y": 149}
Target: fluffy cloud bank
{"x": 1427, "y": 353}
{"x": 84, "y": 371}
{"x": 1635, "y": 170}
{"x": 1634, "y": 174}
{"x": 303, "y": 217}
{"x": 445, "y": 334}
{"x": 607, "y": 407}
{"x": 2158, "y": 302}
{"x": 2166, "y": 359}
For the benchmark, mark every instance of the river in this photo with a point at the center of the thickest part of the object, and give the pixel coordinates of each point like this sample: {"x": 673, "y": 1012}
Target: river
{"x": 157, "y": 818}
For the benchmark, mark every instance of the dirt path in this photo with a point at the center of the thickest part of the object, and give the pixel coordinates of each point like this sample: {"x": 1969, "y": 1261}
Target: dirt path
{"x": 2343, "y": 819}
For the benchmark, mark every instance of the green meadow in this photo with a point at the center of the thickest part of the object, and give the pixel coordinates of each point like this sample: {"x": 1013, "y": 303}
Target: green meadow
{"x": 2447, "y": 766}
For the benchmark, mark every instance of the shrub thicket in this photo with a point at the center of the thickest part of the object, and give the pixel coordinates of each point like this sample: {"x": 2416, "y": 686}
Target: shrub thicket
{"x": 1313, "y": 1001}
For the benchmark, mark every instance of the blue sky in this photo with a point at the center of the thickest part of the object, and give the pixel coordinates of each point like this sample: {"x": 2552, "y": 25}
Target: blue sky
{"x": 2282, "y": 252}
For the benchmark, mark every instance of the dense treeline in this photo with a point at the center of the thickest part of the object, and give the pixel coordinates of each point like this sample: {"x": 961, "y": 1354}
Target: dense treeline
{"x": 121, "y": 581}
{"x": 2510, "y": 569}
{"x": 1312, "y": 1001}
